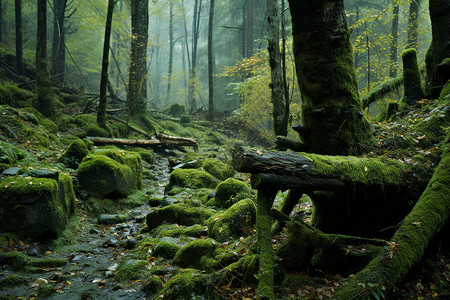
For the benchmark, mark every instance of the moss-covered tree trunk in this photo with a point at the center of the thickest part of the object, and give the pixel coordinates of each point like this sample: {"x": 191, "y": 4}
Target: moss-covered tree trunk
{"x": 19, "y": 48}
{"x": 412, "y": 81}
{"x": 45, "y": 96}
{"x": 438, "y": 70}
{"x": 394, "y": 42}
{"x": 101, "y": 112}
{"x": 409, "y": 242}
{"x": 137, "y": 87}
{"x": 331, "y": 109}
{"x": 413, "y": 24}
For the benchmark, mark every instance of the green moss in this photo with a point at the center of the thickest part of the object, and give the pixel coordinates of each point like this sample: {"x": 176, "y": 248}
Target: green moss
{"x": 190, "y": 284}
{"x": 45, "y": 290}
{"x": 217, "y": 168}
{"x": 10, "y": 154}
{"x": 143, "y": 246}
{"x": 176, "y": 110}
{"x": 412, "y": 81}
{"x": 146, "y": 154}
{"x": 229, "y": 192}
{"x": 153, "y": 286}
{"x": 236, "y": 221}
{"x": 175, "y": 230}
{"x": 133, "y": 270}
{"x": 191, "y": 178}
{"x": 180, "y": 213}
{"x": 48, "y": 263}
{"x": 74, "y": 154}
{"x": 49, "y": 125}
{"x": 110, "y": 172}
{"x": 84, "y": 119}
{"x": 245, "y": 269}
{"x": 191, "y": 254}
{"x": 13, "y": 280}
{"x": 165, "y": 249}
{"x": 16, "y": 260}
{"x": 12, "y": 95}
{"x": 95, "y": 130}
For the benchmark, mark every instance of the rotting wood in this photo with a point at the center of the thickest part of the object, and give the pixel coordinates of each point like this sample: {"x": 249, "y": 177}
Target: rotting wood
{"x": 290, "y": 144}
{"x": 144, "y": 143}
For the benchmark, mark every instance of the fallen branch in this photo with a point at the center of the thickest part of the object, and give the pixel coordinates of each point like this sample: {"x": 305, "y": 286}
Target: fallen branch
{"x": 142, "y": 143}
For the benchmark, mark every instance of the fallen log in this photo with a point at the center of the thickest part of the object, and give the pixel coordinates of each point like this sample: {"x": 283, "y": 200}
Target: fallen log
{"x": 409, "y": 242}
{"x": 144, "y": 143}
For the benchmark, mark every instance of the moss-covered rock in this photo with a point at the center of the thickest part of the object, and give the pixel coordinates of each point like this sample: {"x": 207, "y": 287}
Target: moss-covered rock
{"x": 217, "y": 168}
{"x": 95, "y": 130}
{"x": 16, "y": 260}
{"x": 180, "y": 213}
{"x": 229, "y": 192}
{"x": 165, "y": 249}
{"x": 36, "y": 207}
{"x": 245, "y": 269}
{"x": 191, "y": 254}
{"x": 175, "y": 230}
{"x": 153, "y": 286}
{"x": 110, "y": 173}
{"x": 176, "y": 110}
{"x": 73, "y": 155}
{"x": 48, "y": 263}
{"x": 146, "y": 154}
{"x": 191, "y": 178}
{"x": 190, "y": 284}
{"x": 236, "y": 221}
{"x": 13, "y": 280}
{"x": 45, "y": 290}
{"x": 133, "y": 270}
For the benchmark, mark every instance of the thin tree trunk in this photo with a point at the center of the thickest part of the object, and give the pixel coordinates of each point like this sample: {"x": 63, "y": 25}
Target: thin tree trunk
{"x": 273, "y": 39}
{"x": 394, "y": 43}
{"x": 45, "y": 95}
{"x": 171, "y": 45}
{"x": 58, "y": 69}
{"x": 193, "y": 70}
{"x": 101, "y": 112}
{"x": 19, "y": 32}
{"x": 249, "y": 28}
{"x": 211, "y": 61}
{"x": 413, "y": 24}
{"x": 137, "y": 87}
{"x": 1, "y": 22}
{"x": 331, "y": 105}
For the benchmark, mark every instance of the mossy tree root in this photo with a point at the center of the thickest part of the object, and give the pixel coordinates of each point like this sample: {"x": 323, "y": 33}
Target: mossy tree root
{"x": 265, "y": 251}
{"x": 409, "y": 242}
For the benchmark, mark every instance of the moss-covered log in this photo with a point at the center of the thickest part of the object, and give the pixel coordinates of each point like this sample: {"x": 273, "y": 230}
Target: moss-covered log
{"x": 409, "y": 242}
{"x": 173, "y": 142}
{"x": 331, "y": 104}
{"x": 387, "y": 87}
{"x": 412, "y": 82}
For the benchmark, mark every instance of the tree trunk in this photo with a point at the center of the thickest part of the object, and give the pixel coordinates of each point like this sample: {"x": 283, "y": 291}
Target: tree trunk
{"x": 413, "y": 24}
{"x": 394, "y": 43}
{"x": 438, "y": 72}
{"x": 45, "y": 95}
{"x": 249, "y": 11}
{"x": 19, "y": 32}
{"x": 412, "y": 81}
{"x": 171, "y": 45}
{"x": 101, "y": 112}
{"x": 273, "y": 40}
{"x": 409, "y": 242}
{"x": 58, "y": 69}
{"x": 331, "y": 107}
{"x": 137, "y": 87}
{"x": 193, "y": 69}
{"x": 211, "y": 61}
{"x": 2, "y": 25}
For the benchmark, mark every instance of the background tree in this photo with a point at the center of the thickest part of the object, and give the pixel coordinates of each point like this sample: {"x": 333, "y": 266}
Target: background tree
{"x": 45, "y": 94}
{"x": 101, "y": 112}
{"x": 137, "y": 86}
{"x": 413, "y": 24}
{"x": 171, "y": 46}
{"x": 1, "y": 21}
{"x": 394, "y": 43}
{"x": 193, "y": 67}
{"x": 331, "y": 108}
{"x": 211, "y": 61}
{"x": 58, "y": 68}
{"x": 19, "y": 31}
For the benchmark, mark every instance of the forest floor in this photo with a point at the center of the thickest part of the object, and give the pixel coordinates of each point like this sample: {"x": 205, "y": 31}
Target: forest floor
{"x": 91, "y": 252}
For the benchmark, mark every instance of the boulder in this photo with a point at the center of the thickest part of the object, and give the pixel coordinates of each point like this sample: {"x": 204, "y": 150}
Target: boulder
{"x": 110, "y": 173}
{"x": 73, "y": 155}
{"x": 36, "y": 208}
{"x": 191, "y": 178}
{"x": 217, "y": 168}
{"x": 191, "y": 254}
{"x": 189, "y": 284}
{"x": 229, "y": 192}
{"x": 180, "y": 213}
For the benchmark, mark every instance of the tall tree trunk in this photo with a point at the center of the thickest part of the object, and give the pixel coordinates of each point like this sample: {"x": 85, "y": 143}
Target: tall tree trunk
{"x": 171, "y": 45}
{"x": 45, "y": 96}
{"x": 331, "y": 109}
{"x": 137, "y": 87}
{"x": 101, "y": 112}
{"x": 249, "y": 28}
{"x": 438, "y": 70}
{"x": 394, "y": 42}
{"x": 193, "y": 69}
{"x": 211, "y": 61}
{"x": 356, "y": 55}
{"x": 19, "y": 31}
{"x": 413, "y": 24}
{"x": 273, "y": 40}
{"x": 1, "y": 22}
{"x": 58, "y": 69}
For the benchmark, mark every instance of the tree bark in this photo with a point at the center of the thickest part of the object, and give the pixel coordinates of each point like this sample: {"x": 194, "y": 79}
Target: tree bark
{"x": 19, "y": 32}
{"x": 1, "y": 22}
{"x": 409, "y": 242}
{"x": 101, "y": 112}
{"x": 193, "y": 69}
{"x": 137, "y": 86}
{"x": 412, "y": 80}
{"x": 273, "y": 39}
{"x": 45, "y": 95}
{"x": 249, "y": 11}
{"x": 171, "y": 46}
{"x": 331, "y": 107}
{"x": 394, "y": 42}
{"x": 165, "y": 141}
{"x": 58, "y": 69}
{"x": 438, "y": 73}
{"x": 211, "y": 62}
{"x": 413, "y": 24}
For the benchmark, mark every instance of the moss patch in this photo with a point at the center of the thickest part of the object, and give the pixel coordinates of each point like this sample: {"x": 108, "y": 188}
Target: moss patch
{"x": 191, "y": 254}
{"x": 74, "y": 154}
{"x": 229, "y": 192}
{"x": 180, "y": 213}
{"x": 13, "y": 280}
{"x": 132, "y": 270}
{"x": 165, "y": 249}
{"x": 191, "y": 178}
{"x": 236, "y": 221}
{"x": 217, "y": 168}
{"x": 175, "y": 230}
{"x": 189, "y": 284}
